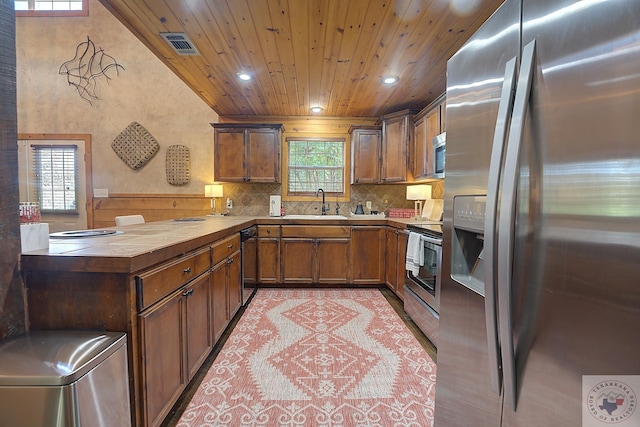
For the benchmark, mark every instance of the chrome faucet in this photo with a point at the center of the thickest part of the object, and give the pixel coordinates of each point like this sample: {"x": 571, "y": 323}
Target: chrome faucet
{"x": 324, "y": 208}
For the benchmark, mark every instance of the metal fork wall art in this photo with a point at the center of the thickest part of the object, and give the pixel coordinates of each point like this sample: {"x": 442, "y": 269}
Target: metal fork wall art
{"x": 88, "y": 64}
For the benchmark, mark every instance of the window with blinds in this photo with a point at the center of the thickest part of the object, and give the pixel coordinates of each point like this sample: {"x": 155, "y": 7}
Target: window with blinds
{"x": 313, "y": 164}
{"x": 56, "y": 178}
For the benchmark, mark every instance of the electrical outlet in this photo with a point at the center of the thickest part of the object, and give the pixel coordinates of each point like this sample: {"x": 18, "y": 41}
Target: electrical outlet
{"x": 368, "y": 204}
{"x": 100, "y": 192}
{"x": 229, "y": 203}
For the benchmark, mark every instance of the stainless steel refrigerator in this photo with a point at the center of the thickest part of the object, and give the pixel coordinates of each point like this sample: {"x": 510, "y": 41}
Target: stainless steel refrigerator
{"x": 541, "y": 243}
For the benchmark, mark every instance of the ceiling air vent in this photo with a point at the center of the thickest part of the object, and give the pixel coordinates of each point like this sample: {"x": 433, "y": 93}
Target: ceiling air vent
{"x": 180, "y": 43}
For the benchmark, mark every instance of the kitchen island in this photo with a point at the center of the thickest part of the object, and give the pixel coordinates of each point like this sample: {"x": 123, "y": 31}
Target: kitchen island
{"x": 173, "y": 287}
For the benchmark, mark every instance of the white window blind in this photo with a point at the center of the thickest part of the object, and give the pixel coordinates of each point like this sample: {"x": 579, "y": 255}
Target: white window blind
{"x": 315, "y": 163}
{"x": 56, "y": 178}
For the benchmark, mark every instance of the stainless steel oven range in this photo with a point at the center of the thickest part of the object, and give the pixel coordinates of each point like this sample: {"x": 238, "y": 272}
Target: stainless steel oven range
{"x": 422, "y": 287}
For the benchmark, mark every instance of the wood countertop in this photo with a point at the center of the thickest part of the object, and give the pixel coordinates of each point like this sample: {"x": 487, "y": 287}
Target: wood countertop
{"x": 141, "y": 246}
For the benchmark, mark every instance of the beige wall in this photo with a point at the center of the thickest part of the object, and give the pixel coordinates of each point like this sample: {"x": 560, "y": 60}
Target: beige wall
{"x": 146, "y": 91}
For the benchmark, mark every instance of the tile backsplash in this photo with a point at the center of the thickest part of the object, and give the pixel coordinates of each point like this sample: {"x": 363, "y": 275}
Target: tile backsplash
{"x": 253, "y": 199}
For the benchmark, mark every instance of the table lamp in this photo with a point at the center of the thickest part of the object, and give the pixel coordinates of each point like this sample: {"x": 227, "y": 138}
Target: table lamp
{"x": 213, "y": 191}
{"x": 418, "y": 193}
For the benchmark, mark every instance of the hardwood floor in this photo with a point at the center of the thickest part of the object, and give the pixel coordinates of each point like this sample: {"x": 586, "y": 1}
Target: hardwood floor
{"x": 177, "y": 410}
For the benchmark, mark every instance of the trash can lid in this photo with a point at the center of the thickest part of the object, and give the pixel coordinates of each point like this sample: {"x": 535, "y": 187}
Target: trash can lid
{"x": 54, "y": 358}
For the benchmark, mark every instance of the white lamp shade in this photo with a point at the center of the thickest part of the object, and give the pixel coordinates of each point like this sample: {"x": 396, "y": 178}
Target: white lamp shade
{"x": 213, "y": 190}
{"x": 418, "y": 192}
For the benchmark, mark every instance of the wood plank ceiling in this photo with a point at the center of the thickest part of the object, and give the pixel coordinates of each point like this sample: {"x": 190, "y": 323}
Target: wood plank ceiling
{"x": 305, "y": 53}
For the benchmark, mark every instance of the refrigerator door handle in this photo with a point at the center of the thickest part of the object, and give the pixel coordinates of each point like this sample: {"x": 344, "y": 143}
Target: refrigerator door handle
{"x": 504, "y": 112}
{"x": 507, "y": 223}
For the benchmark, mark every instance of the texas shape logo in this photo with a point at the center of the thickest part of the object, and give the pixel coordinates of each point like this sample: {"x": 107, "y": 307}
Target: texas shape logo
{"x": 611, "y": 401}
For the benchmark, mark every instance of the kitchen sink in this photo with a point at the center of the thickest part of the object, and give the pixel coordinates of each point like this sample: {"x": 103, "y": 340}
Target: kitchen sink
{"x": 314, "y": 217}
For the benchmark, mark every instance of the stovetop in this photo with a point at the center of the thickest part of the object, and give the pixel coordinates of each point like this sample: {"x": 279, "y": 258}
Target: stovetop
{"x": 429, "y": 228}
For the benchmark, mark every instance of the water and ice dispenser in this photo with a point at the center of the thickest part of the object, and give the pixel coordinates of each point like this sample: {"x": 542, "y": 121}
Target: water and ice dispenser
{"x": 467, "y": 262}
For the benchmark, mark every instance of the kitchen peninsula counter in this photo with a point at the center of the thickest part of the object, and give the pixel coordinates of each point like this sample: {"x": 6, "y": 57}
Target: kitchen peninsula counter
{"x": 138, "y": 246}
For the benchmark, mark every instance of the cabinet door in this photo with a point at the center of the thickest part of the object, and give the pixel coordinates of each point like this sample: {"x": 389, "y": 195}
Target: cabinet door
{"x": 234, "y": 284}
{"x": 403, "y": 238}
{"x": 332, "y": 261}
{"x": 395, "y": 144}
{"x": 365, "y": 156}
{"x": 368, "y": 254}
{"x": 269, "y": 260}
{"x": 264, "y": 155}
{"x": 219, "y": 299}
{"x": 420, "y": 153}
{"x": 229, "y": 155}
{"x": 162, "y": 333}
{"x": 199, "y": 336}
{"x": 249, "y": 261}
{"x": 391, "y": 258}
{"x": 298, "y": 265}
{"x": 433, "y": 128}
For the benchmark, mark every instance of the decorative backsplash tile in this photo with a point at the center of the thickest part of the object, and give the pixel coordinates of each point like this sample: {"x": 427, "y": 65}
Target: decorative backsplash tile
{"x": 253, "y": 199}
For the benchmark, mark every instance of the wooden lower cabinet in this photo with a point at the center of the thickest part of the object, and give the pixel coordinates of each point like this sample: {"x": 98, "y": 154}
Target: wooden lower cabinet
{"x": 174, "y": 342}
{"x": 315, "y": 254}
{"x": 403, "y": 238}
{"x": 391, "y": 258}
{"x": 368, "y": 245}
{"x": 227, "y": 288}
{"x": 396, "y": 258}
{"x": 298, "y": 261}
{"x": 332, "y": 261}
{"x": 268, "y": 254}
{"x": 321, "y": 261}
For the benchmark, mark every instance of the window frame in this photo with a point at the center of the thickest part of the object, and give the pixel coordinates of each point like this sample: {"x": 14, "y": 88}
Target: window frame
{"x": 55, "y": 13}
{"x": 330, "y": 196}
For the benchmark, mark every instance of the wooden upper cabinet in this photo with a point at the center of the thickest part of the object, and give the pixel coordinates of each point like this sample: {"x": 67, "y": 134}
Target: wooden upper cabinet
{"x": 397, "y": 136}
{"x": 427, "y": 124}
{"x": 247, "y": 152}
{"x": 366, "y": 142}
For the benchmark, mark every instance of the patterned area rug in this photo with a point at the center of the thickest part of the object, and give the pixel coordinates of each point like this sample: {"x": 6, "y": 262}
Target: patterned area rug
{"x": 331, "y": 358}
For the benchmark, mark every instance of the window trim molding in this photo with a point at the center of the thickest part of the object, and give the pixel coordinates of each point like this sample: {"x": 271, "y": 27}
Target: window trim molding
{"x": 345, "y": 197}
{"x": 88, "y": 167}
{"x": 55, "y": 13}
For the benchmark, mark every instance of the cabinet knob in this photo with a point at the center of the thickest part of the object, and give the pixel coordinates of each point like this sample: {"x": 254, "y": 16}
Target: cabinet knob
{"x": 187, "y": 270}
{"x": 230, "y": 247}
{"x": 230, "y": 261}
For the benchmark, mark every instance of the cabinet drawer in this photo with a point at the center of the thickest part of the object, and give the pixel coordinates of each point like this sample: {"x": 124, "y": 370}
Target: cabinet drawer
{"x": 159, "y": 282}
{"x": 318, "y": 231}
{"x": 268, "y": 231}
{"x": 225, "y": 247}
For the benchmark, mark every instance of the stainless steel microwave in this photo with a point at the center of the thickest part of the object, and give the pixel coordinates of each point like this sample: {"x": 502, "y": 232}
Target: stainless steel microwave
{"x": 439, "y": 154}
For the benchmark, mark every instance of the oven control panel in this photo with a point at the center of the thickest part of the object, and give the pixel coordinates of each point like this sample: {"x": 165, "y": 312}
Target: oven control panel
{"x": 468, "y": 213}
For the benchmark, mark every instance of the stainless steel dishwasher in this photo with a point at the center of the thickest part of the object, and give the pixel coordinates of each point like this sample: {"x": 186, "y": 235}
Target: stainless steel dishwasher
{"x": 249, "y": 249}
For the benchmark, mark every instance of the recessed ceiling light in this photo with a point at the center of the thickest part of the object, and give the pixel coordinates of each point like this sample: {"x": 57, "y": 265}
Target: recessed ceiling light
{"x": 316, "y": 109}
{"x": 244, "y": 76}
{"x": 389, "y": 80}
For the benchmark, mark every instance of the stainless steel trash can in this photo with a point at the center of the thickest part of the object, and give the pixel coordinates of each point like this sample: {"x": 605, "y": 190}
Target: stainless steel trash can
{"x": 64, "y": 378}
